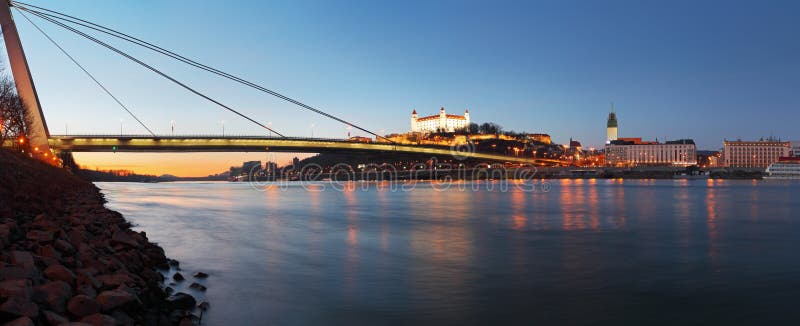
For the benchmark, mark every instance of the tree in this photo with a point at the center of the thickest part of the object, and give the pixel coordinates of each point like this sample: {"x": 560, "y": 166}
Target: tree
{"x": 490, "y": 128}
{"x": 13, "y": 121}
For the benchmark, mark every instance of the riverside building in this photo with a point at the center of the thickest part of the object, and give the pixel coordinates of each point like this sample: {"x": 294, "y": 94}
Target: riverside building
{"x": 441, "y": 122}
{"x": 755, "y": 154}
{"x": 612, "y": 127}
{"x": 635, "y": 152}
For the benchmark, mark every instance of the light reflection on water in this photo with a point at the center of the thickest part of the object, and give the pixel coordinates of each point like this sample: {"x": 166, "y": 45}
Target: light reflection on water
{"x": 605, "y": 251}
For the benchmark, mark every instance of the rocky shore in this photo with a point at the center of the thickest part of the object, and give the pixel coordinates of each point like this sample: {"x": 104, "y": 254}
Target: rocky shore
{"x": 65, "y": 258}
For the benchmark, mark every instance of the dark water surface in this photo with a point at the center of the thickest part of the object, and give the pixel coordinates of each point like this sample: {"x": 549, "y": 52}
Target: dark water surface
{"x": 585, "y": 252}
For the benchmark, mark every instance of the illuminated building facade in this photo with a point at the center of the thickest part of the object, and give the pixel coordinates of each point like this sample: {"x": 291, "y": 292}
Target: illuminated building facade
{"x": 755, "y": 154}
{"x": 635, "y": 152}
{"x": 612, "y": 127}
{"x": 442, "y": 122}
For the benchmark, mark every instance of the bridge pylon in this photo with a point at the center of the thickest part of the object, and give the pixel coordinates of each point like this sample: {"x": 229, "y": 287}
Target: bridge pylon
{"x": 37, "y": 127}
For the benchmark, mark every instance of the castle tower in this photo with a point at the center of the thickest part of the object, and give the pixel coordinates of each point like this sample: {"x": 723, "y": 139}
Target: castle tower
{"x": 466, "y": 116}
{"x": 414, "y": 126}
{"x": 442, "y": 119}
{"x": 612, "y": 127}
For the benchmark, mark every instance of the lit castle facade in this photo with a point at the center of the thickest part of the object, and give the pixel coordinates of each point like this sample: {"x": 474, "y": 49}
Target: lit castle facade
{"x": 442, "y": 122}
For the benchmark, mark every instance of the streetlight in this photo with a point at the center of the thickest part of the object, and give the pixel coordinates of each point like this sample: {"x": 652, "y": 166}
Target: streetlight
{"x": 223, "y": 128}
{"x": 269, "y": 125}
{"x": 312, "y": 130}
{"x": 349, "y": 127}
{"x": 120, "y": 127}
{"x": 172, "y": 126}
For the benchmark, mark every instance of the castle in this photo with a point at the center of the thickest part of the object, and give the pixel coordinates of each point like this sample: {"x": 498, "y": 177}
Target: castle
{"x": 442, "y": 122}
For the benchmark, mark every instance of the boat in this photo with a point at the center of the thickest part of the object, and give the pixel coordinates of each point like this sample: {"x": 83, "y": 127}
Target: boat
{"x": 786, "y": 168}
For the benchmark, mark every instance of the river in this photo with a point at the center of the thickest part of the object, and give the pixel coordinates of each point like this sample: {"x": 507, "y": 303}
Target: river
{"x": 567, "y": 252}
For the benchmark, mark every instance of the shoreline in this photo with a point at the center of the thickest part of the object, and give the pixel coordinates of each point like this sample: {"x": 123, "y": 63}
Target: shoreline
{"x": 65, "y": 257}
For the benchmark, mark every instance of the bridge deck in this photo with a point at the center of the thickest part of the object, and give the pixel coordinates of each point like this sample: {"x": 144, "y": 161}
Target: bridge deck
{"x": 138, "y": 143}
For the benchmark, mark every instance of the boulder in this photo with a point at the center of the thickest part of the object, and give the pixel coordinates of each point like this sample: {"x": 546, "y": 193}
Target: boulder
{"x": 23, "y": 259}
{"x": 39, "y": 236}
{"x": 21, "y": 321}
{"x": 181, "y": 301}
{"x": 99, "y": 320}
{"x": 122, "y": 237}
{"x": 198, "y": 286}
{"x": 19, "y": 306}
{"x": 15, "y": 288}
{"x": 178, "y": 277}
{"x": 64, "y": 247}
{"x": 55, "y": 294}
{"x": 113, "y": 280}
{"x": 112, "y": 299}
{"x": 82, "y": 306}
{"x": 60, "y": 273}
{"x": 54, "y": 318}
{"x": 200, "y": 275}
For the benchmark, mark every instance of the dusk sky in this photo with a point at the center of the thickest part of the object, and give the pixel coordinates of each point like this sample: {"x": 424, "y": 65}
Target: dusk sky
{"x": 706, "y": 70}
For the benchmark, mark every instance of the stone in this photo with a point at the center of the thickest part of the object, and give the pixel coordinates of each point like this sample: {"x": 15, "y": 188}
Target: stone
{"x": 86, "y": 290}
{"x": 99, "y": 320}
{"x": 200, "y": 275}
{"x": 23, "y": 259}
{"x": 204, "y": 305}
{"x": 123, "y": 319}
{"x": 21, "y": 321}
{"x": 55, "y": 294}
{"x": 54, "y": 318}
{"x": 112, "y": 299}
{"x": 60, "y": 273}
{"x": 181, "y": 300}
{"x": 16, "y": 272}
{"x": 15, "y": 288}
{"x": 198, "y": 286}
{"x": 122, "y": 237}
{"x": 64, "y": 247}
{"x": 19, "y": 306}
{"x": 113, "y": 280}
{"x": 178, "y": 277}
{"x": 82, "y": 306}
{"x": 39, "y": 236}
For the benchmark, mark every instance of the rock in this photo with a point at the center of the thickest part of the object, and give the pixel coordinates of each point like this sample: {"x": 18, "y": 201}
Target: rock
{"x": 64, "y": 247}
{"x": 181, "y": 300}
{"x": 82, "y": 306}
{"x": 110, "y": 300}
{"x": 19, "y": 306}
{"x": 54, "y": 318}
{"x": 113, "y": 280}
{"x": 21, "y": 321}
{"x": 16, "y": 272}
{"x": 200, "y": 275}
{"x": 122, "y": 237}
{"x": 99, "y": 320}
{"x": 86, "y": 290}
{"x": 22, "y": 259}
{"x": 169, "y": 290}
{"x": 123, "y": 319}
{"x": 190, "y": 320}
{"x": 204, "y": 305}
{"x": 39, "y": 236}
{"x": 178, "y": 277}
{"x": 60, "y": 273}
{"x": 198, "y": 286}
{"x": 15, "y": 288}
{"x": 55, "y": 294}
{"x": 174, "y": 263}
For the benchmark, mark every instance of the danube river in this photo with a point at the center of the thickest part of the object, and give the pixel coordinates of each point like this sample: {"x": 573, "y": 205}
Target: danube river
{"x": 573, "y": 252}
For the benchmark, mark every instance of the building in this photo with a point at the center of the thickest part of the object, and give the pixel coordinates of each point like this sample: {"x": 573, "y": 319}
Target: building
{"x": 442, "y": 122}
{"x": 612, "y": 129}
{"x": 754, "y": 154}
{"x": 635, "y": 152}
{"x": 541, "y": 138}
{"x": 709, "y": 159}
{"x": 796, "y": 148}
{"x": 250, "y": 167}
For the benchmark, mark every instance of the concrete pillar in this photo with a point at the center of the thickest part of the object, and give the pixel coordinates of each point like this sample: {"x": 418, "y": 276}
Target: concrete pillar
{"x": 38, "y": 133}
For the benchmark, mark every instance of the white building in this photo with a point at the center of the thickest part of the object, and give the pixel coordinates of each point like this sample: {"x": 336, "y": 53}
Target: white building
{"x": 612, "y": 128}
{"x": 635, "y": 152}
{"x": 442, "y": 122}
{"x": 755, "y": 154}
{"x": 796, "y": 148}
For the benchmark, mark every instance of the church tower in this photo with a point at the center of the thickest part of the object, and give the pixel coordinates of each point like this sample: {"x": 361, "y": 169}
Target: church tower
{"x": 611, "y": 126}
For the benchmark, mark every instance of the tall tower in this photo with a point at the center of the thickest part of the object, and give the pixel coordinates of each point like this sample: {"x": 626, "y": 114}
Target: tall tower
{"x": 414, "y": 127}
{"x": 466, "y": 117}
{"x": 442, "y": 119}
{"x": 611, "y": 126}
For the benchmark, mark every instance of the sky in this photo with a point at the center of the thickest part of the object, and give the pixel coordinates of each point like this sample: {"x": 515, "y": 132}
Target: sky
{"x": 706, "y": 70}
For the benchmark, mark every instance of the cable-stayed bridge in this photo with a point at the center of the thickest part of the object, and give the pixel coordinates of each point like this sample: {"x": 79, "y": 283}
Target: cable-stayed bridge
{"x": 42, "y": 141}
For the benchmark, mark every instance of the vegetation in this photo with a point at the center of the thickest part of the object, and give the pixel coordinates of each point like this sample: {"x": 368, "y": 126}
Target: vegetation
{"x": 13, "y": 123}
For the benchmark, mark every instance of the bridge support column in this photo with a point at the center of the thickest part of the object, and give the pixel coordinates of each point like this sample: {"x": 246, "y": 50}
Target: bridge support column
{"x": 37, "y": 127}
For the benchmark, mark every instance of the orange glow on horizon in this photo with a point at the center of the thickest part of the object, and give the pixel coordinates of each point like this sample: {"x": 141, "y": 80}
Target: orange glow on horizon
{"x": 177, "y": 164}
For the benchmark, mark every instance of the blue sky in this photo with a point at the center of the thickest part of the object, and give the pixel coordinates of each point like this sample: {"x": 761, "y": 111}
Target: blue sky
{"x": 706, "y": 70}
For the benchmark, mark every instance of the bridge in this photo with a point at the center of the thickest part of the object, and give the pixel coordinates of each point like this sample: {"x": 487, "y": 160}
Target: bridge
{"x": 41, "y": 141}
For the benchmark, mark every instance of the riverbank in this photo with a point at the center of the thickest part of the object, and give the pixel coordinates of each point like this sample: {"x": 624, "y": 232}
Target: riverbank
{"x": 64, "y": 257}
